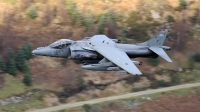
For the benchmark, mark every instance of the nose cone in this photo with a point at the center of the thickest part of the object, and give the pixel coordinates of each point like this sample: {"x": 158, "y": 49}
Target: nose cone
{"x": 40, "y": 51}
{"x": 35, "y": 52}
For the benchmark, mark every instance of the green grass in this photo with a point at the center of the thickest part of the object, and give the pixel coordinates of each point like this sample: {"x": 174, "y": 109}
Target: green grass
{"x": 30, "y": 103}
{"x": 10, "y": 1}
{"x": 191, "y": 77}
{"x": 14, "y": 86}
{"x": 186, "y": 91}
{"x": 197, "y": 33}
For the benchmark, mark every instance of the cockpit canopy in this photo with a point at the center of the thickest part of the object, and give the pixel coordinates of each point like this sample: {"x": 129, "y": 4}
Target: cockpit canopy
{"x": 61, "y": 43}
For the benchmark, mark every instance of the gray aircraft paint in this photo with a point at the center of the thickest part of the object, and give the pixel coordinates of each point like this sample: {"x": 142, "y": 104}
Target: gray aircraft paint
{"x": 82, "y": 50}
{"x": 134, "y": 51}
{"x": 157, "y": 41}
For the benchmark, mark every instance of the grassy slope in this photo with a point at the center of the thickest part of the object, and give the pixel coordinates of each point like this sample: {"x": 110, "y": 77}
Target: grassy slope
{"x": 23, "y": 106}
{"x": 14, "y": 86}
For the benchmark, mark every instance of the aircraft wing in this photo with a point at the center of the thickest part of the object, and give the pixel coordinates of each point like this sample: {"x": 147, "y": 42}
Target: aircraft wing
{"x": 106, "y": 47}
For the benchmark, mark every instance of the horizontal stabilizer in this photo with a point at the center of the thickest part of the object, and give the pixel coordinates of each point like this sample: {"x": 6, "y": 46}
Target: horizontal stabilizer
{"x": 161, "y": 53}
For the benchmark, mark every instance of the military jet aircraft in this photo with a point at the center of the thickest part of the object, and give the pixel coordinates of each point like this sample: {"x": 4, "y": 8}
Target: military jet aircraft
{"x": 101, "y": 53}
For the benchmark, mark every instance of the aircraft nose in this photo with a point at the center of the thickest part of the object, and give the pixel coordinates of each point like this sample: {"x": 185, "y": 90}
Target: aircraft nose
{"x": 35, "y": 52}
{"x": 38, "y": 51}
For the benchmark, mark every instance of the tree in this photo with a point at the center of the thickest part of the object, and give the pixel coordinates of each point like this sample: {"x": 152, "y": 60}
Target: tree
{"x": 74, "y": 12}
{"x": 12, "y": 67}
{"x": 27, "y": 79}
{"x": 20, "y": 60}
{"x": 88, "y": 21}
{"x": 2, "y": 65}
{"x": 71, "y": 7}
{"x": 29, "y": 51}
{"x": 196, "y": 57}
{"x": 107, "y": 20}
{"x": 123, "y": 37}
{"x": 170, "y": 18}
{"x": 101, "y": 24}
{"x": 32, "y": 12}
{"x": 11, "y": 53}
{"x": 25, "y": 51}
{"x": 183, "y": 3}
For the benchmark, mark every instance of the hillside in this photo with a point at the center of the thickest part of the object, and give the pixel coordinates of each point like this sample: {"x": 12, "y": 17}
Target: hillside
{"x": 41, "y": 22}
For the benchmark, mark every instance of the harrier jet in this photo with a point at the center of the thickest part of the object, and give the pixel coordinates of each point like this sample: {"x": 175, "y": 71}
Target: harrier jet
{"x": 101, "y": 53}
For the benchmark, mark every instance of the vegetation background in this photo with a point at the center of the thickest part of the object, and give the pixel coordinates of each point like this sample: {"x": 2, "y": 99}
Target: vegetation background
{"x": 43, "y": 81}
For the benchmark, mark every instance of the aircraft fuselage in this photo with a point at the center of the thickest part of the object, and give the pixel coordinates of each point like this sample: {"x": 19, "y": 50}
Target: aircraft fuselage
{"x": 102, "y": 53}
{"x": 77, "y": 51}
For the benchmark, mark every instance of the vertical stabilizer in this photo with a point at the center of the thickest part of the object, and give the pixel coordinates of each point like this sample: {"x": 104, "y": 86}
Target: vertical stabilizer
{"x": 157, "y": 41}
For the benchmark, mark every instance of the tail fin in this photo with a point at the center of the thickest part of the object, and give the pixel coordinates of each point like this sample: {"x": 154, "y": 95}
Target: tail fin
{"x": 155, "y": 45}
{"x": 157, "y": 41}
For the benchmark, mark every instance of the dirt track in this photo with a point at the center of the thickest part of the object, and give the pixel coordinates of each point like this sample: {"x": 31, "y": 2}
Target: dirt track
{"x": 116, "y": 97}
